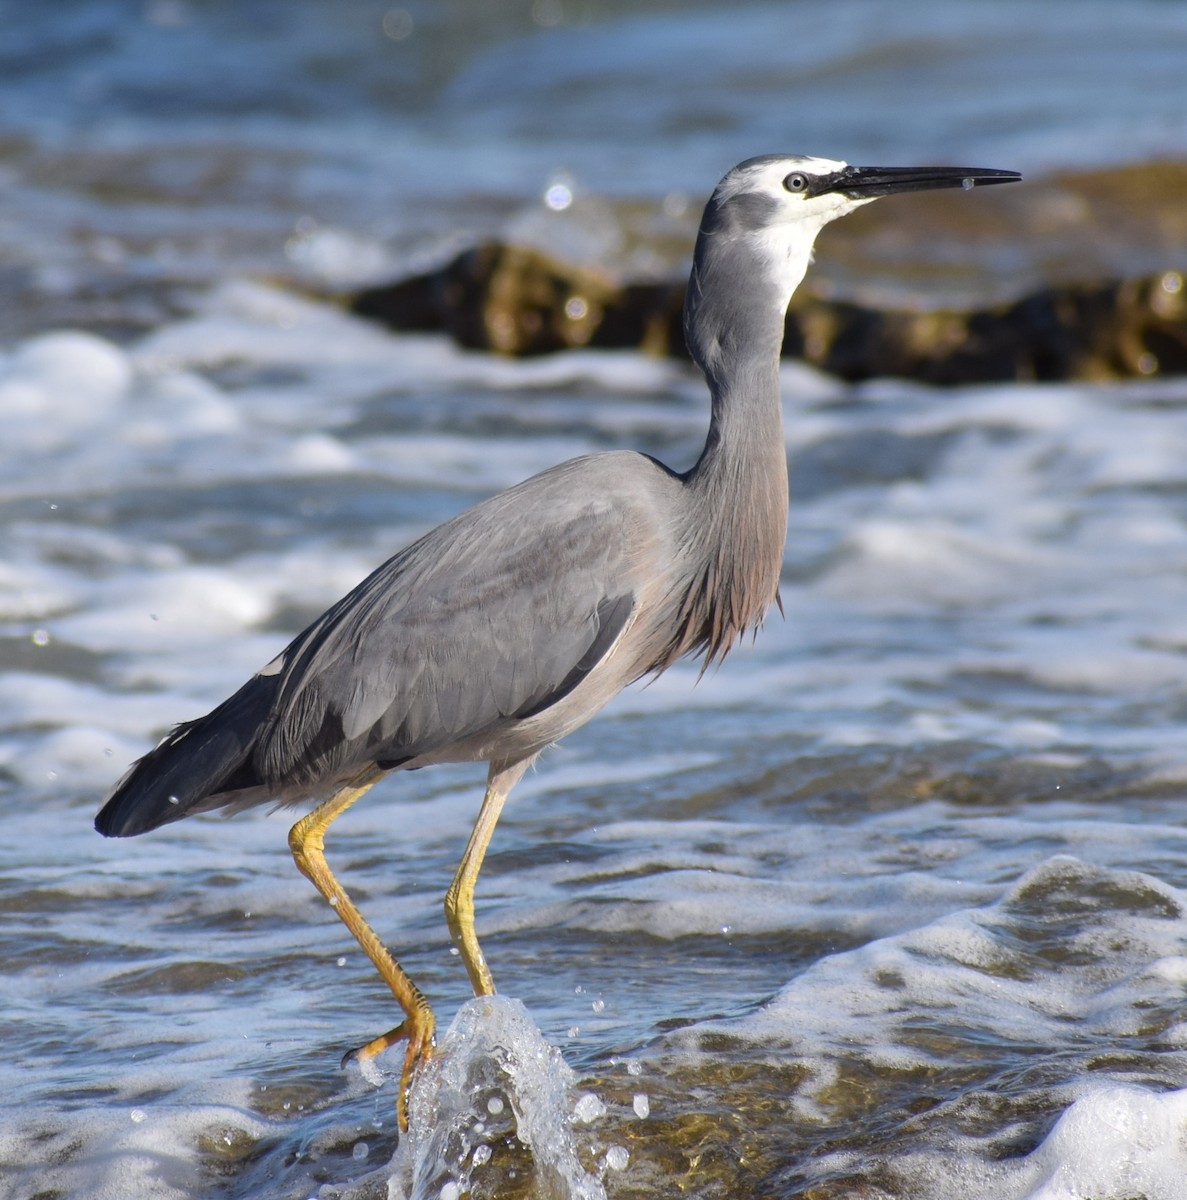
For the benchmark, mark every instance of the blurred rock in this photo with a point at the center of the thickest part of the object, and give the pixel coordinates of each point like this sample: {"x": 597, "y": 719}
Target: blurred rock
{"x": 1102, "y": 331}
{"x": 520, "y": 302}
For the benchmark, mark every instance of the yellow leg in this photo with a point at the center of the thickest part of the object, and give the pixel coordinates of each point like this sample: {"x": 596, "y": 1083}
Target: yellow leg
{"x": 307, "y": 842}
{"x": 459, "y": 900}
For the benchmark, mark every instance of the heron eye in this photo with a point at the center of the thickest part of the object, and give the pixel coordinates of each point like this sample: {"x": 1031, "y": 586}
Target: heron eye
{"x": 795, "y": 182}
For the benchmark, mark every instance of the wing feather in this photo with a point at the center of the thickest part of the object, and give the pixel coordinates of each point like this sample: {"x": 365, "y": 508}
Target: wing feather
{"x": 496, "y": 614}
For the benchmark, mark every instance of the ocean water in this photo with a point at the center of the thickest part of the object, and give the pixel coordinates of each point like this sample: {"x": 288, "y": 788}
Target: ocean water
{"x": 893, "y": 903}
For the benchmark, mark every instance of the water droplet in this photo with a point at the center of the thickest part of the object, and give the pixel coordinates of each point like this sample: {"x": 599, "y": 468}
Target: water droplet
{"x": 167, "y": 14}
{"x": 547, "y": 13}
{"x": 495, "y": 1105}
{"x": 342, "y": 960}
{"x": 576, "y": 308}
{"x": 634, "y": 1067}
{"x": 333, "y": 901}
{"x": 398, "y": 24}
{"x": 574, "y": 1030}
{"x": 617, "y": 1158}
{"x": 481, "y": 1155}
{"x": 558, "y": 197}
{"x": 137, "y": 1115}
{"x": 40, "y": 637}
{"x": 967, "y": 183}
{"x": 598, "y": 1006}
{"x": 174, "y": 799}
{"x": 450, "y": 1191}
{"x": 588, "y": 1109}
{"x": 642, "y": 1105}
{"x": 360, "y": 1151}
{"x": 675, "y": 205}
{"x": 725, "y": 929}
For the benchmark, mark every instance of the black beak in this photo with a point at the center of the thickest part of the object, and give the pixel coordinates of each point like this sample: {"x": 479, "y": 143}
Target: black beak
{"x": 864, "y": 183}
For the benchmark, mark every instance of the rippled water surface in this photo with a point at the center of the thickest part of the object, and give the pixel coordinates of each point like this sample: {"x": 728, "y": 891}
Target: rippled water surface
{"x": 894, "y": 903}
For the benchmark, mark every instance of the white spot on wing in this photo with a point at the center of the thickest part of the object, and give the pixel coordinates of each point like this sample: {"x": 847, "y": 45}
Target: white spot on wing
{"x": 274, "y": 667}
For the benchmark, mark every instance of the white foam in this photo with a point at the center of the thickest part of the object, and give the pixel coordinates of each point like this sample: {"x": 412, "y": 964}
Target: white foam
{"x": 955, "y": 975}
{"x": 249, "y": 322}
{"x": 134, "y": 1151}
{"x": 59, "y": 379}
{"x": 921, "y": 564}
{"x": 1114, "y": 1141}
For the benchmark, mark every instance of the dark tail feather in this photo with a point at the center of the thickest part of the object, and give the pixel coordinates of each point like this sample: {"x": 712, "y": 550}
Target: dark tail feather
{"x": 199, "y": 759}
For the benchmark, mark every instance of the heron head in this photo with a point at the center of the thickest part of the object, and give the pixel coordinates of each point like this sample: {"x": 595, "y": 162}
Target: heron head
{"x": 804, "y": 194}
{"x": 771, "y": 208}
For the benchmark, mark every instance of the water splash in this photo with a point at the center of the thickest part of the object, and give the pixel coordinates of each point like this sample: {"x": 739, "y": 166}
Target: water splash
{"x": 493, "y": 1087}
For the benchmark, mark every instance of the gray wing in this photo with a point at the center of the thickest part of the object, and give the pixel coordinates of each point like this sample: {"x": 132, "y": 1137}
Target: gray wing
{"x": 492, "y": 616}
{"x": 487, "y": 620}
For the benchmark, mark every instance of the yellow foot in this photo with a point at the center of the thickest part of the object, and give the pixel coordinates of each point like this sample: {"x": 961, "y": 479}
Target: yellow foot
{"x": 419, "y": 1035}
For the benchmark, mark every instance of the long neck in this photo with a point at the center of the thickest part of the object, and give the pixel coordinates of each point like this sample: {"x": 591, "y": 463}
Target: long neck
{"x": 745, "y": 423}
{"x": 734, "y": 315}
{"x": 738, "y": 487}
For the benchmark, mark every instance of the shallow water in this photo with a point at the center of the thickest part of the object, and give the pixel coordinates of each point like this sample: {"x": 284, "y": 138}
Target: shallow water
{"x": 879, "y": 899}
{"x": 891, "y": 904}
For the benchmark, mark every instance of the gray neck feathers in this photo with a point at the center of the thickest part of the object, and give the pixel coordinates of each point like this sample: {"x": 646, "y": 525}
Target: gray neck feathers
{"x": 734, "y": 308}
{"x": 733, "y": 320}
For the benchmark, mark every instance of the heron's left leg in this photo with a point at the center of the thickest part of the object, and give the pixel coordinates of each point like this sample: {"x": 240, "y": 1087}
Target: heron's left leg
{"x": 307, "y": 842}
{"x": 459, "y": 900}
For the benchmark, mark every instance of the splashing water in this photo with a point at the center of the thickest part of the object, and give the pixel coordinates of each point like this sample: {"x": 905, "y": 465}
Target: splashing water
{"x": 493, "y": 1086}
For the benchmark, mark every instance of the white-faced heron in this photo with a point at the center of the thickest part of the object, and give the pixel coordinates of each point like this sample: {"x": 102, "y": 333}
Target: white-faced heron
{"x": 507, "y": 627}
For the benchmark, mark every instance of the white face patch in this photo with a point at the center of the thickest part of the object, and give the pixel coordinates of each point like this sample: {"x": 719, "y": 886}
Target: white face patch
{"x": 767, "y": 175}
{"x": 784, "y": 241}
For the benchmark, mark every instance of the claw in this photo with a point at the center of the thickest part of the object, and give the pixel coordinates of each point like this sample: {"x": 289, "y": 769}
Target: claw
{"x": 421, "y": 1043}
{"x": 367, "y": 1051}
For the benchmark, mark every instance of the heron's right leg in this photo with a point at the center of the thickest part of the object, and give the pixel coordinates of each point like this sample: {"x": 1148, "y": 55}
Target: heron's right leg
{"x": 459, "y": 900}
{"x": 307, "y": 842}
